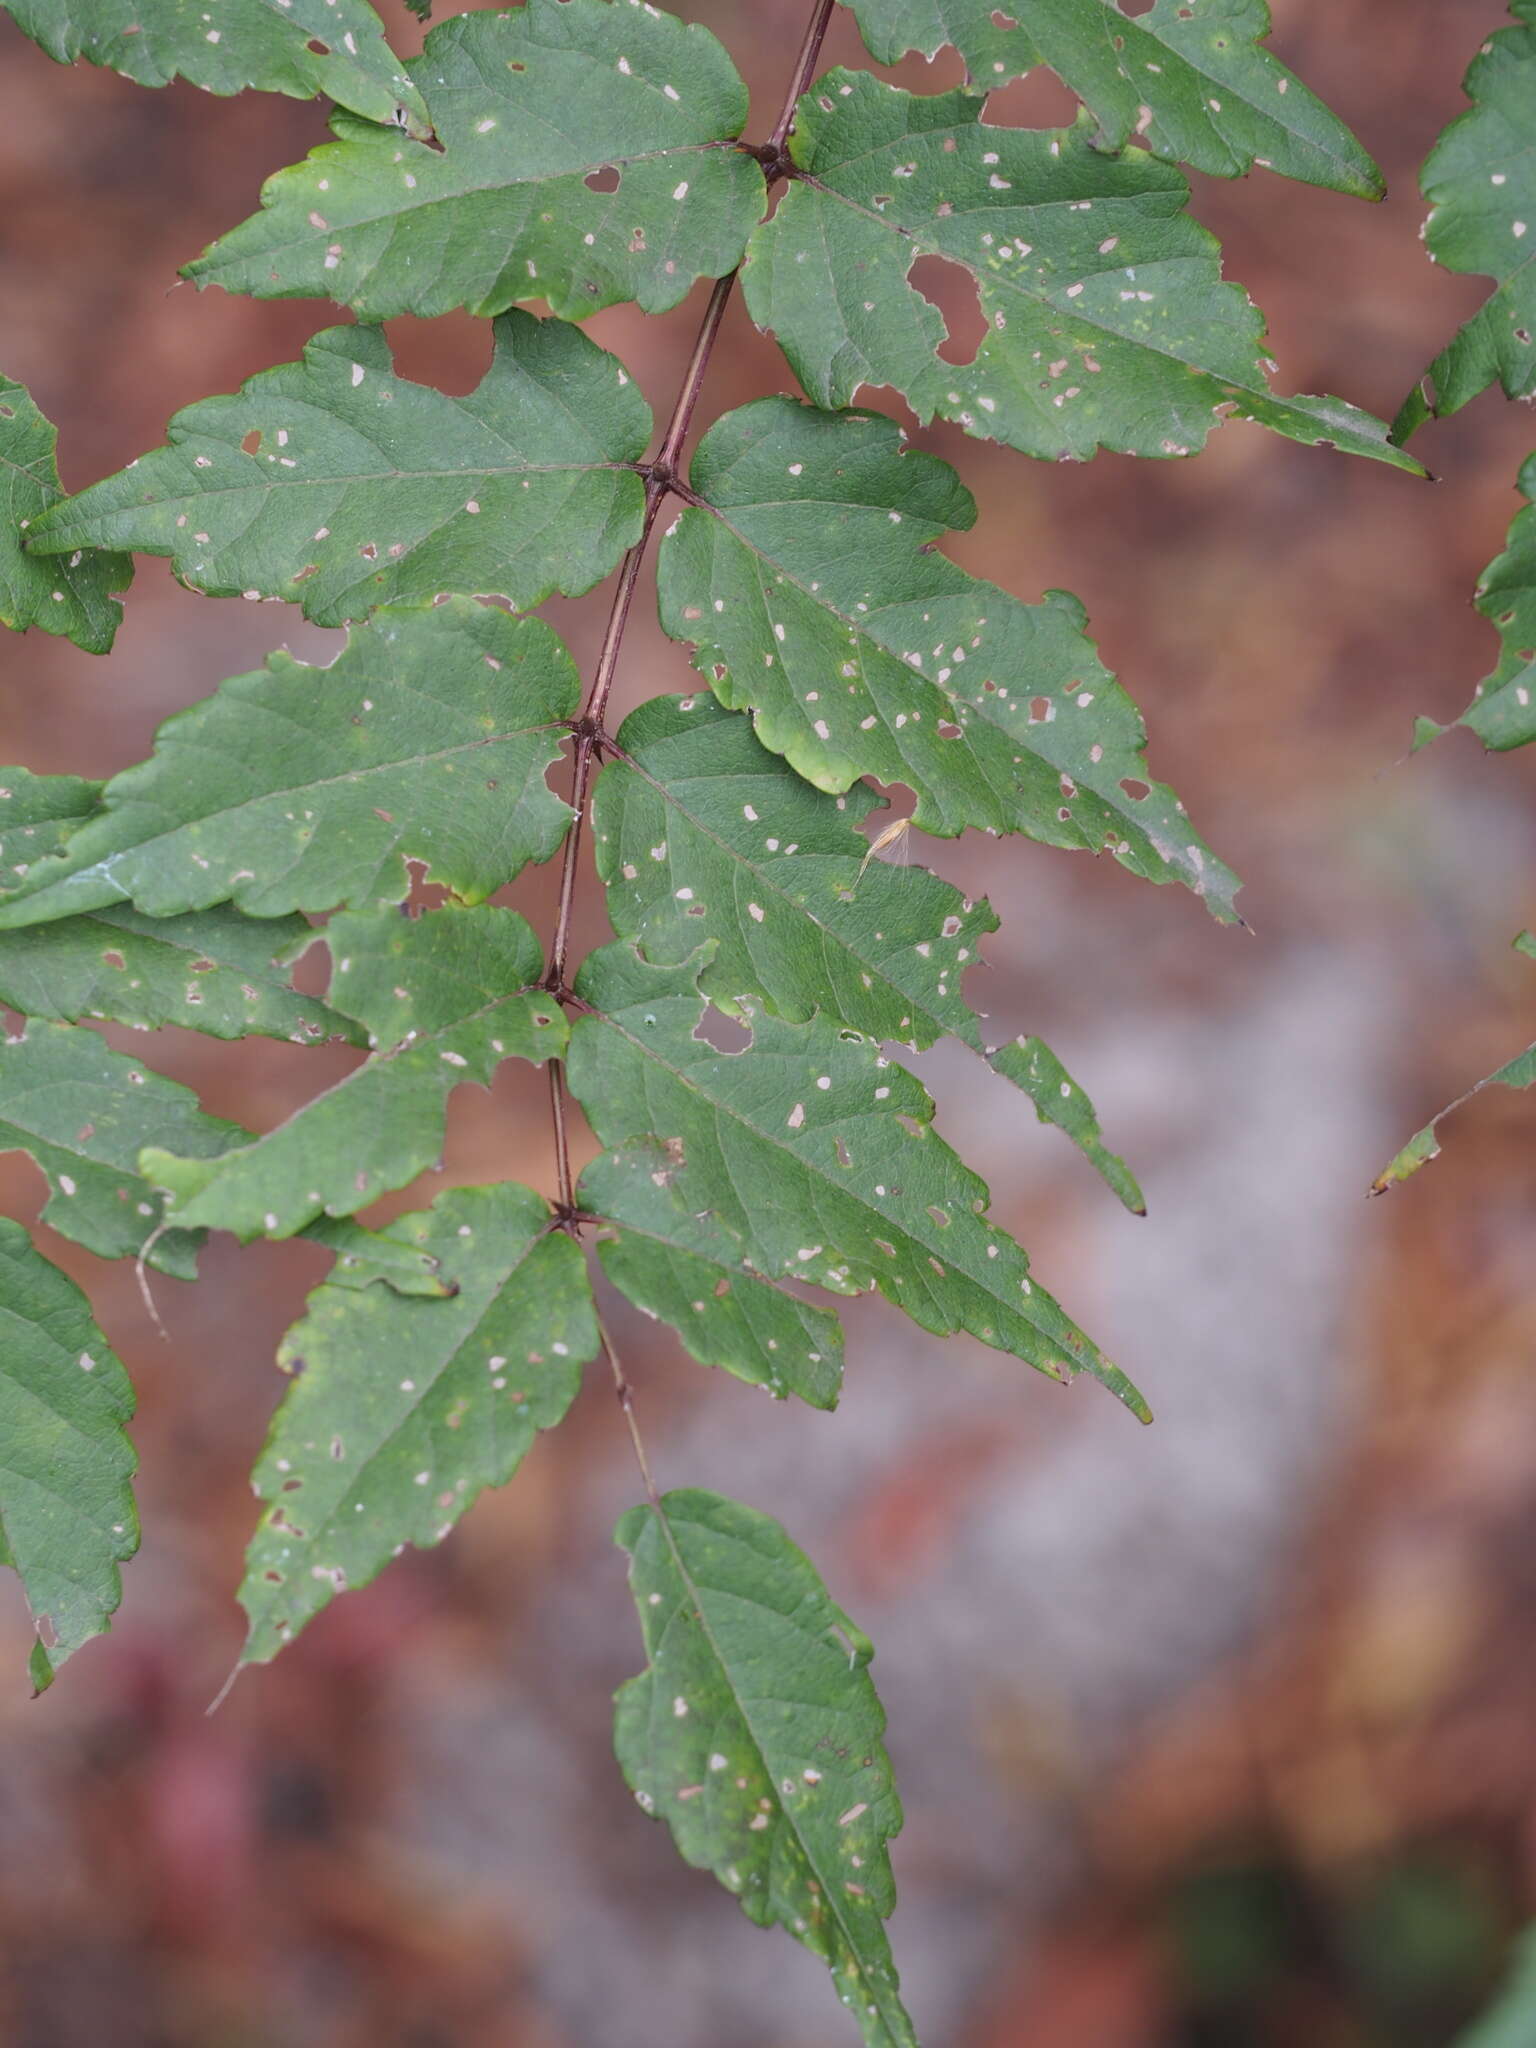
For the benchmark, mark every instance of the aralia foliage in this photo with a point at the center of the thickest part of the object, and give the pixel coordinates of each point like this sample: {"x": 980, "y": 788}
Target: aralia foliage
{"x": 579, "y": 154}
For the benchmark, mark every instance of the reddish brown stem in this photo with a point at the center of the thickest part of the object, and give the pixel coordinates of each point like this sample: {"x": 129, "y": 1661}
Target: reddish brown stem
{"x": 661, "y": 480}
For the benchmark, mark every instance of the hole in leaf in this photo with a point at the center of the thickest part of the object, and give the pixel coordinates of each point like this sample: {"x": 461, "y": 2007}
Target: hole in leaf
{"x": 725, "y": 1034}
{"x": 451, "y": 352}
{"x": 1136, "y": 791}
{"x": 604, "y": 179}
{"x": 1039, "y": 710}
{"x": 251, "y": 445}
{"x": 951, "y": 288}
{"x": 7, "y": 412}
{"x": 948, "y": 731}
{"x": 316, "y": 48}
{"x": 1001, "y": 20}
{"x": 513, "y": 66}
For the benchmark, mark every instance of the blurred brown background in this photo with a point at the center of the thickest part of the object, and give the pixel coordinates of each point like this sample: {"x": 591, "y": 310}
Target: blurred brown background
{"x": 1217, "y": 1735}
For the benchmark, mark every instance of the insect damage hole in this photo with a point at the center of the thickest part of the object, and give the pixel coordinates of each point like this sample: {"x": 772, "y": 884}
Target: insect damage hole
{"x": 606, "y": 178}
{"x": 952, "y": 288}
{"x": 725, "y": 1034}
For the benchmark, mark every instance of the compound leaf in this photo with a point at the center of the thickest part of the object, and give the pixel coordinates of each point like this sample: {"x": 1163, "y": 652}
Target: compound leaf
{"x": 402, "y": 1410}
{"x": 298, "y": 47}
{"x": 1480, "y": 181}
{"x": 1424, "y": 1145}
{"x": 74, "y": 597}
{"x": 1188, "y": 78}
{"x": 444, "y": 998}
{"x": 335, "y": 484}
{"x": 818, "y": 1155}
{"x": 1501, "y": 712}
{"x": 214, "y": 971}
{"x": 702, "y": 834}
{"x": 689, "y": 1270}
{"x": 67, "y": 1518}
{"x": 755, "y": 1733}
{"x": 1108, "y": 324}
{"x": 580, "y": 157}
{"x": 297, "y": 787}
{"x": 84, "y": 1112}
{"x": 807, "y": 579}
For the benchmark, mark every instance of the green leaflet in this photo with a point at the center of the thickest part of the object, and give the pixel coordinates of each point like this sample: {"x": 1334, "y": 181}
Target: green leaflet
{"x": 214, "y": 971}
{"x": 73, "y": 597}
{"x": 84, "y": 1112}
{"x": 818, "y": 1155}
{"x": 688, "y": 1270}
{"x": 1187, "y": 79}
{"x": 359, "y": 488}
{"x": 702, "y": 834}
{"x": 755, "y": 1733}
{"x": 444, "y": 998}
{"x": 37, "y": 814}
{"x": 1424, "y": 1145}
{"x": 884, "y": 658}
{"x": 1480, "y": 182}
{"x": 296, "y": 788}
{"x": 1511, "y": 2020}
{"x": 530, "y": 107}
{"x": 404, "y": 1410}
{"x": 1108, "y": 325}
{"x": 298, "y": 47}
{"x": 1501, "y": 712}
{"x": 67, "y": 1519}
